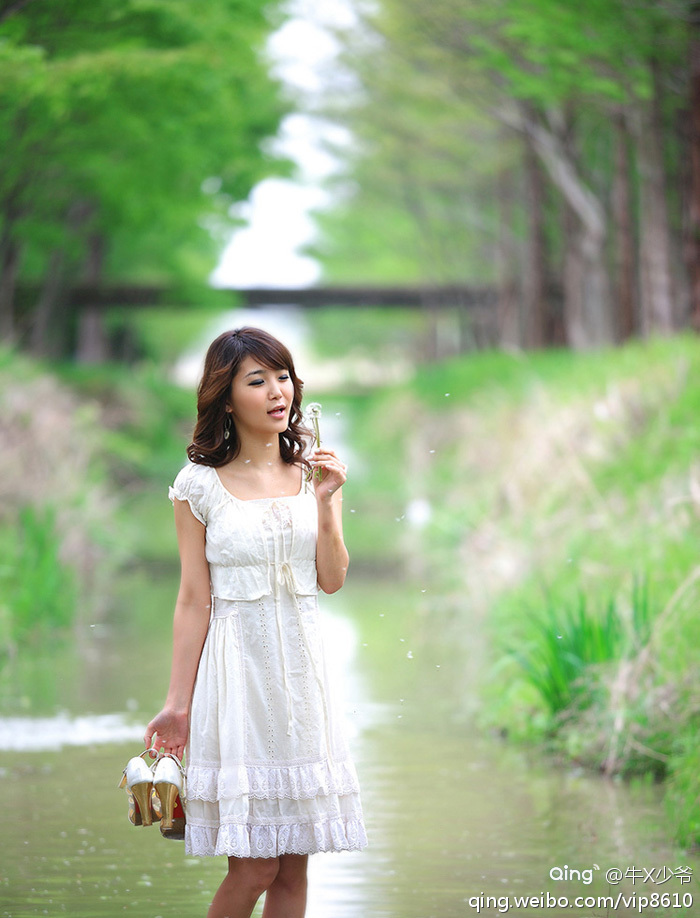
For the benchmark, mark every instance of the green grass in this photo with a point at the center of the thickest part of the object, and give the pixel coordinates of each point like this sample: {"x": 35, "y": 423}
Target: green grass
{"x": 565, "y": 516}
{"x": 683, "y": 794}
{"x": 571, "y": 654}
{"x": 561, "y": 643}
{"x": 129, "y": 425}
{"x": 516, "y": 375}
{"x": 39, "y": 593}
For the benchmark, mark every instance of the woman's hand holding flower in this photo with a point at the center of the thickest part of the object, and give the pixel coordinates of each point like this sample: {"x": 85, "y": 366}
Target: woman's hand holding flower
{"x": 331, "y": 474}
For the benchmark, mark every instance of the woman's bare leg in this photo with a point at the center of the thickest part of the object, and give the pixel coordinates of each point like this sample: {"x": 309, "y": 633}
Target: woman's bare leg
{"x": 246, "y": 880}
{"x": 286, "y": 896}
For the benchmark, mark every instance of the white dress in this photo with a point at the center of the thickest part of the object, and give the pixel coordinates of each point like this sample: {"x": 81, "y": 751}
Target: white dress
{"x": 268, "y": 770}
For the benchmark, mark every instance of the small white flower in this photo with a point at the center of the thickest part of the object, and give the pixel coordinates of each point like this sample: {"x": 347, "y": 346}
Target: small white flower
{"x": 313, "y": 413}
{"x": 313, "y": 410}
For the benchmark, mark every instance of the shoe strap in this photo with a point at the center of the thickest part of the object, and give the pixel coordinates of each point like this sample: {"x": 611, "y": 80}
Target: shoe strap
{"x": 168, "y": 755}
{"x": 151, "y": 749}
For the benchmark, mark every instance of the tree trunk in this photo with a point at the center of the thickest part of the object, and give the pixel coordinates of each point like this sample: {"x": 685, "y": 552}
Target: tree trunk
{"x": 49, "y": 336}
{"x": 9, "y": 268}
{"x": 692, "y": 247}
{"x": 625, "y": 294}
{"x": 535, "y": 275}
{"x": 574, "y": 318}
{"x": 92, "y": 339}
{"x": 656, "y": 292}
{"x": 42, "y": 342}
{"x": 596, "y": 295}
{"x": 507, "y": 313}
{"x": 590, "y": 310}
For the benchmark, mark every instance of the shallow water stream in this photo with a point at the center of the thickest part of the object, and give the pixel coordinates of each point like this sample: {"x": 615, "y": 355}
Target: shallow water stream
{"x": 453, "y": 817}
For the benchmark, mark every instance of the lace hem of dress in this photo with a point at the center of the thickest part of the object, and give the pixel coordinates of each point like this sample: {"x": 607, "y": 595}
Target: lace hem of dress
{"x": 335, "y": 834}
{"x": 296, "y": 782}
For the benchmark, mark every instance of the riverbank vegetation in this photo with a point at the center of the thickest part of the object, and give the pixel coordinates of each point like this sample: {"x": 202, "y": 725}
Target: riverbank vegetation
{"x": 82, "y": 449}
{"x": 553, "y": 501}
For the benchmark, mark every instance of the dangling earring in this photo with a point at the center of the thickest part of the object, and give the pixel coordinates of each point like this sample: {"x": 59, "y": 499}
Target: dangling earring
{"x": 228, "y": 424}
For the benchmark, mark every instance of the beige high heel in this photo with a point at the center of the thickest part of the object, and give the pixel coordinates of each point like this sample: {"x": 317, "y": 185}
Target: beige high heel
{"x": 169, "y": 784}
{"x": 144, "y": 803}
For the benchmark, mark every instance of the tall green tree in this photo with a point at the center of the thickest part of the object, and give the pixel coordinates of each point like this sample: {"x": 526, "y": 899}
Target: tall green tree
{"x": 588, "y": 97}
{"x": 127, "y": 130}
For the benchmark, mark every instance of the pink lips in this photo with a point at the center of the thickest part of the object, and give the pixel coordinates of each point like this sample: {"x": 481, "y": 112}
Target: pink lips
{"x": 278, "y": 411}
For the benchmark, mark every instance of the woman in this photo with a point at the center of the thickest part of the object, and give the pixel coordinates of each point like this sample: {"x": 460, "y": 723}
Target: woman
{"x": 269, "y": 779}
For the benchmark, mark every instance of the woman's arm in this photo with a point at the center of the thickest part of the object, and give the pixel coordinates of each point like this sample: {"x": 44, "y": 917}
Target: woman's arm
{"x": 331, "y": 554}
{"x": 169, "y": 728}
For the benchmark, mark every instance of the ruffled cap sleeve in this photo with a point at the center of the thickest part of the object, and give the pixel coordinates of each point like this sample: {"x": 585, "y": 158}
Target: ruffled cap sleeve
{"x": 190, "y": 485}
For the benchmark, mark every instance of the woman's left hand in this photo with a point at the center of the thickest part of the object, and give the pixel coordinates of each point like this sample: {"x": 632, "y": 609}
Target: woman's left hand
{"x": 333, "y": 473}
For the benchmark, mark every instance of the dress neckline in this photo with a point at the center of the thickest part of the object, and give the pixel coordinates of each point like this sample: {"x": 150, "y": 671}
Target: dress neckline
{"x": 253, "y": 500}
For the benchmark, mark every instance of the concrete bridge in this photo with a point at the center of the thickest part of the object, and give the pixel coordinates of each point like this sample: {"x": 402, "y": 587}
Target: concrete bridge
{"x": 459, "y": 317}
{"x": 420, "y": 297}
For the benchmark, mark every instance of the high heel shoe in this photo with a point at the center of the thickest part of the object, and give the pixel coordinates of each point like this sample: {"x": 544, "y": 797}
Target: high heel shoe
{"x": 144, "y": 803}
{"x": 168, "y": 781}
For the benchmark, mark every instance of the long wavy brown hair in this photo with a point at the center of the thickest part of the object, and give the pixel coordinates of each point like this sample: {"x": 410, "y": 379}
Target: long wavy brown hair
{"x": 224, "y": 357}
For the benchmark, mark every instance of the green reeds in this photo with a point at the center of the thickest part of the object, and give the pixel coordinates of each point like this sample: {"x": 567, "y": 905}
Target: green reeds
{"x": 563, "y": 641}
{"x": 683, "y": 794}
{"x": 38, "y": 590}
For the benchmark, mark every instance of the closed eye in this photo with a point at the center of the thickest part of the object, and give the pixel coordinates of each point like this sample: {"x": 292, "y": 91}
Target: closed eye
{"x": 259, "y": 382}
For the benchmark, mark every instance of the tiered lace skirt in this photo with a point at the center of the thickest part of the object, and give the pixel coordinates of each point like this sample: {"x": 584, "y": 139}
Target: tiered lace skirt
{"x": 268, "y": 770}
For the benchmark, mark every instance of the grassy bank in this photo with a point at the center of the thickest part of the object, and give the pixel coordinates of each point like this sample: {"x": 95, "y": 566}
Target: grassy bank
{"x": 563, "y": 496}
{"x": 86, "y": 452}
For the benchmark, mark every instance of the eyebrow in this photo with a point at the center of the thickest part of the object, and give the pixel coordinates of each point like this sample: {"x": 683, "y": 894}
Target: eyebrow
{"x": 262, "y": 372}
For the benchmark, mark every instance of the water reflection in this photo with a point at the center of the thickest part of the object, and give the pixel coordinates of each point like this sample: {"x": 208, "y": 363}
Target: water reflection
{"x": 39, "y": 734}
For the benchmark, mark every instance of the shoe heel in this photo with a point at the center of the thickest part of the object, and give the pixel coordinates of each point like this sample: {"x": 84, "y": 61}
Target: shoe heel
{"x": 168, "y": 794}
{"x": 142, "y": 796}
{"x": 137, "y": 780}
{"x": 169, "y": 784}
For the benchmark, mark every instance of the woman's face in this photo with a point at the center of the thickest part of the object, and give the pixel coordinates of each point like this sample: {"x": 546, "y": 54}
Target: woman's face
{"x": 261, "y": 398}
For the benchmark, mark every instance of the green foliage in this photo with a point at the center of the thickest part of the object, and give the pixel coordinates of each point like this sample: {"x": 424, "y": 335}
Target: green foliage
{"x": 549, "y": 53}
{"x": 39, "y": 591}
{"x": 146, "y": 423}
{"x": 447, "y": 102}
{"x": 135, "y": 124}
{"x": 683, "y": 795}
{"x": 146, "y": 418}
{"x": 572, "y": 470}
{"x": 563, "y": 642}
{"x": 414, "y": 201}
